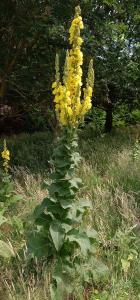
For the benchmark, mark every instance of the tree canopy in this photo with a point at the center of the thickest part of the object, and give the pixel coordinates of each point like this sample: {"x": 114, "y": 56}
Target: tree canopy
{"x": 32, "y": 31}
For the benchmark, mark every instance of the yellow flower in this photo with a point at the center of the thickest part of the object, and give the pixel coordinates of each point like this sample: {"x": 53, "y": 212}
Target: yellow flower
{"x": 79, "y": 41}
{"x": 57, "y": 106}
{"x": 5, "y": 154}
{"x": 54, "y": 85}
{"x": 69, "y": 111}
{"x": 63, "y": 118}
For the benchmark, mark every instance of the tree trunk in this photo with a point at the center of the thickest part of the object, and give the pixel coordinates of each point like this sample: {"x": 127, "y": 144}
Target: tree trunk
{"x": 109, "y": 118}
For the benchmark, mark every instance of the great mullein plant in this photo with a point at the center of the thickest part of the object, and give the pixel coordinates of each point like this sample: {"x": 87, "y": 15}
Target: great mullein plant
{"x": 60, "y": 235}
{"x": 6, "y": 185}
{"x": 7, "y": 198}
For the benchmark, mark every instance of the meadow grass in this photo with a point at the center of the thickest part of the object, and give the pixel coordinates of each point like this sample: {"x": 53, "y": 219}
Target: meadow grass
{"x": 110, "y": 170}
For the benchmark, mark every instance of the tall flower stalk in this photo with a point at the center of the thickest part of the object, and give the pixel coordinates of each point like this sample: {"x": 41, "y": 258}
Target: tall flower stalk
{"x": 6, "y": 157}
{"x": 69, "y": 106}
{"x": 59, "y": 234}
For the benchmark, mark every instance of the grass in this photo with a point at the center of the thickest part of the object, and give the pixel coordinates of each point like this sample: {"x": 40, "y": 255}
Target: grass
{"x": 110, "y": 171}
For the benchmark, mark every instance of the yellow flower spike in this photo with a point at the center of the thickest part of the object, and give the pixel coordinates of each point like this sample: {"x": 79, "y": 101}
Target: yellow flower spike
{"x": 69, "y": 107}
{"x": 6, "y": 156}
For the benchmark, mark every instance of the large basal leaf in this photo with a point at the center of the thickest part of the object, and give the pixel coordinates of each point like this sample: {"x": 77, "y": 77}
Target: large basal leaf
{"x": 44, "y": 220}
{"x": 92, "y": 233}
{"x": 40, "y": 208}
{"x": 84, "y": 203}
{"x": 45, "y": 185}
{"x": 63, "y": 274}
{"x": 39, "y": 245}
{"x": 76, "y": 158}
{"x": 52, "y": 207}
{"x": 81, "y": 239}
{"x": 61, "y": 188}
{"x": 66, "y": 227}
{"x": 6, "y": 250}
{"x": 66, "y": 203}
{"x": 82, "y": 206}
{"x": 76, "y": 183}
{"x": 57, "y": 233}
{"x": 62, "y": 164}
{"x": 71, "y": 215}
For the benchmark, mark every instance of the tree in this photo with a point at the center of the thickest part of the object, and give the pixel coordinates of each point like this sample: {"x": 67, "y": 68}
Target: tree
{"x": 33, "y": 30}
{"x": 112, "y": 38}
{"x": 25, "y": 70}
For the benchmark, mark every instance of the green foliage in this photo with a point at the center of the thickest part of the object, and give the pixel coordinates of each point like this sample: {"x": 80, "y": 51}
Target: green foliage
{"x": 8, "y": 199}
{"x": 135, "y": 115}
{"x": 123, "y": 115}
{"x": 7, "y": 195}
{"x": 37, "y": 149}
{"x": 96, "y": 120}
{"x": 59, "y": 234}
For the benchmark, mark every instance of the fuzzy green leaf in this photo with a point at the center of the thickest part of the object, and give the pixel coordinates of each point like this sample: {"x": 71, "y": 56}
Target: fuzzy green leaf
{"x": 40, "y": 208}
{"x": 66, "y": 203}
{"x": 66, "y": 227}
{"x": 61, "y": 163}
{"x": 61, "y": 188}
{"x": 45, "y": 185}
{"x": 44, "y": 220}
{"x": 76, "y": 183}
{"x": 53, "y": 207}
{"x": 39, "y": 245}
{"x": 92, "y": 233}
{"x": 81, "y": 239}
{"x": 82, "y": 205}
{"x": 75, "y": 158}
{"x": 63, "y": 274}
{"x": 57, "y": 233}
